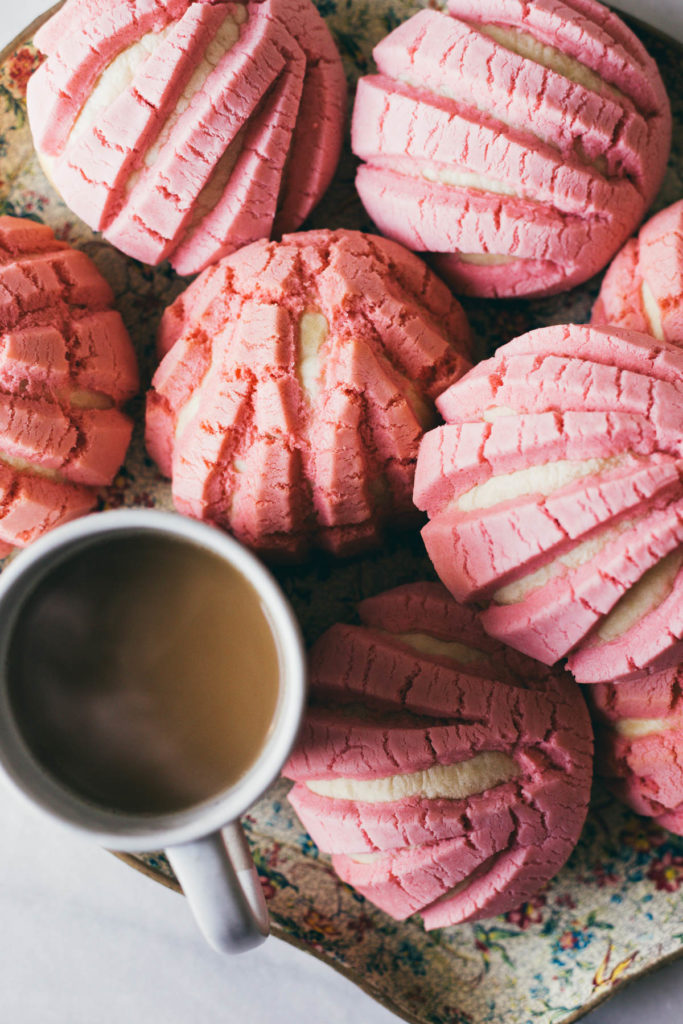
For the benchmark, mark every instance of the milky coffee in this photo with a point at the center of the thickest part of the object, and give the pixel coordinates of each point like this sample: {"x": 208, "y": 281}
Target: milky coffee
{"x": 143, "y": 674}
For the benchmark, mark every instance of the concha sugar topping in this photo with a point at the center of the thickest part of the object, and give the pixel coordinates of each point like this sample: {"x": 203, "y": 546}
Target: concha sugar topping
{"x": 446, "y": 774}
{"x": 183, "y": 130}
{"x": 67, "y": 366}
{"x": 298, "y": 380}
{"x": 643, "y": 288}
{"x": 521, "y": 141}
{"x": 639, "y": 733}
{"x": 555, "y": 496}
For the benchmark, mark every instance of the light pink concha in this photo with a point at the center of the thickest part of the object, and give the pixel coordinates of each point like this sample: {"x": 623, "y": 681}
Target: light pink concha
{"x": 520, "y": 140}
{"x": 297, "y": 380}
{"x": 555, "y": 495}
{"x": 67, "y": 367}
{"x": 643, "y": 288}
{"x": 446, "y": 774}
{"x": 184, "y": 129}
{"x": 639, "y": 738}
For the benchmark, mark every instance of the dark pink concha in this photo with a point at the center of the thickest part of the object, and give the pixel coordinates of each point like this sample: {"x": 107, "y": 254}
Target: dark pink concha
{"x": 519, "y": 141}
{"x": 639, "y": 739}
{"x": 555, "y": 496}
{"x": 184, "y": 129}
{"x": 643, "y": 288}
{"x": 67, "y": 368}
{"x": 298, "y": 378}
{"x": 446, "y": 774}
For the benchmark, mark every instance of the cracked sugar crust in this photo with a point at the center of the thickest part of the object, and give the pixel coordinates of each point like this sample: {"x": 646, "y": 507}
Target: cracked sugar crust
{"x": 67, "y": 367}
{"x": 446, "y": 774}
{"x": 639, "y": 730}
{"x": 643, "y": 288}
{"x": 184, "y": 130}
{"x": 296, "y": 382}
{"x": 555, "y": 496}
{"x": 519, "y": 142}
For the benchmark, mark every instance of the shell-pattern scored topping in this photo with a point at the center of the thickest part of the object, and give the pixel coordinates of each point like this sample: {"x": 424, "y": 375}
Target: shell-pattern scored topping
{"x": 521, "y": 141}
{"x": 450, "y": 781}
{"x": 184, "y": 129}
{"x": 297, "y": 382}
{"x": 66, "y": 367}
{"x": 639, "y": 732}
{"x": 565, "y": 514}
{"x": 643, "y": 288}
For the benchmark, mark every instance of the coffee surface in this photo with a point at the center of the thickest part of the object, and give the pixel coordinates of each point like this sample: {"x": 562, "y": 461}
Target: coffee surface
{"x": 144, "y": 674}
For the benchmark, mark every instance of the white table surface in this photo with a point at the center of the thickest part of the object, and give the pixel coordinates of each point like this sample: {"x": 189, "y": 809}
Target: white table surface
{"x": 86, "y": 940}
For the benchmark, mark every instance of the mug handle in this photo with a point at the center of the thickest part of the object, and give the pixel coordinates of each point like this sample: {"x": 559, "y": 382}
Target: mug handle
{"x": 218, "y": 876}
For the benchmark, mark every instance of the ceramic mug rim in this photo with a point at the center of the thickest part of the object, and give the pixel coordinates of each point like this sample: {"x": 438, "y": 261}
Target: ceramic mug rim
{"x": 137, "y": 832}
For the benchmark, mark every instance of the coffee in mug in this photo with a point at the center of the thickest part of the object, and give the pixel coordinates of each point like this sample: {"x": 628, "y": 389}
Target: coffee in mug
{"x": 144, "y": 674}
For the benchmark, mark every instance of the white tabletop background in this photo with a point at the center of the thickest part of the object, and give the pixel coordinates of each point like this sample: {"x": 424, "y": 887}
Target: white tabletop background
{"x": 83, "y": 938}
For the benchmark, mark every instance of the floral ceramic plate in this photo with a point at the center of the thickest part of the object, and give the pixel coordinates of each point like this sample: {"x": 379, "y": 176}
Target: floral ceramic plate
{"x": 614, "y": 911}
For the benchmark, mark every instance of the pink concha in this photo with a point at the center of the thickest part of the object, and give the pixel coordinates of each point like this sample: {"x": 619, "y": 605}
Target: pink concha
{"x": 519, "y": 142}
{"x": 639, "y": 732}
{"x": 446, "y": 774}
{"x": 297, "y": 380}
{"x": 643, "y": 288}
{"x": 183, "y": 130}
{"x": 555, "y": 495}
{"x": 67, "y": 366}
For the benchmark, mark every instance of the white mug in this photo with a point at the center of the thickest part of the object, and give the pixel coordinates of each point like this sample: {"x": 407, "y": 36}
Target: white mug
{"x": 205, "y": 843}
